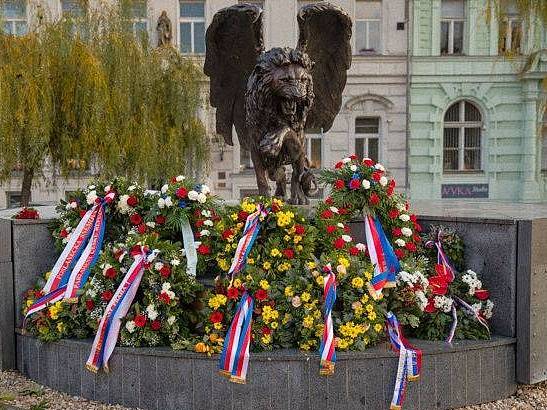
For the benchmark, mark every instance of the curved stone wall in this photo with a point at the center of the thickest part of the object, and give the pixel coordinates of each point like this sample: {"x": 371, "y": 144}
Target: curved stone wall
{"x": 468, "y": 372}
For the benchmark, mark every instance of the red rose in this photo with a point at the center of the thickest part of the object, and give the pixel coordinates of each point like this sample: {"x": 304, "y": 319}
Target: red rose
{"x": 89, "y": 304}
{"x": 339, "y": 184}
{"x": 82, "y": 213}
{"x": 354, "y": 251}
{"x": 110, "y": 273}
{"x": 63, "y": 233}
{"x": 374, "y": 199}
{"x": 261, "y": 294}
{"x": 135, "y": 219}
{"x": 355, "y": 183}
{"x": 140, "y": 320}
{"x": 181, "y": 192}
{"x": 400, "y": 253}
{"x": 331, "y": 228}
{"x": 160, "y": 219}
{"x": 232, "y": 293}
{"x": 155, "y": 325}
{"x": 106, "y": 295}
{"x": 393, "y": 213}
{"x": 299, "y": 229}
{"x": 368, "y": 162}
{"x": 242, "y": 216}
{"x": 141, "y": 229}
{"x": 411, "y": 246}
{"x": 227, "y": 233}
{"x": 132, "y": 201}
{"x": 164, "y": 297}
{"x": 216, "y": 317}
{"x": 327, "y": 214}
{"x": 339, "y": 165}
{"x": 329, "y": 200}
{"x": 482, "y": 294}
{"x": 266, "y": 330}
{"x": 288, "y": 253}
{"x": 430, "y": 308}
{"x": 339, "y": 243}
{"x": 165, "y": 271}
{"x": 203, "y": 249}
{"x": 438, "y": 285}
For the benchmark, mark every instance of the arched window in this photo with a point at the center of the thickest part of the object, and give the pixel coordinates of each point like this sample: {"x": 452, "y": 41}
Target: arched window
{"x": 462, "y": 138}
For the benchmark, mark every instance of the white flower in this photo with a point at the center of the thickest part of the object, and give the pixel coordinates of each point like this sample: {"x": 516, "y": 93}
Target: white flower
{"x": 73, "y": 204}
{"x": 175, "y": 262}
{"x": 334, "y": 209}
{"x": 204, "y": 232}
{"x": 202, "y": 198}
{"x": 123, "y": 207}
{"x": 208, "y": 222}
{"x": 107, "y": 189}
{"x": 340, "y": 225}
{"x": 206, "y": 213}
{"x": 151, "y": 224}
{"x": 379, "y": 167}
{"x": 164, "y": 188}
{"x": 383, "y": 180}
{"x": 400, "y": 242}
{"x": 180, "y": 178}
{"x": 158, "y": 266}
{"x": 165, "y": 286}
{"x": 487, "y": 313}
{"x": 132, "y": 188}
{"x": 366, "y": 183}
{"x": 171, "y": 320}
{"x": 404, "y": 217}
{"x": 353, "y": 167}
{"x": 130, "y": 326}
{"x": 346, "y": 160}
{"x": 406, "y": 231}
{"x": 151, "y": 312}
{"x": 476, "y": 307}
{"x": 91, "y": 197}
{"x": 205, "y": 189}
{"x": 421, "y": 299}
{"x": 168, "y": 202}
{"x": 401, "y": 207}
{"x": 161, "y": 203}
{"x": 193, "y": 195}
{"x": 346, "y": 238}
{"x": 152, "y": 255}
{"x": 443, "y": 303}
{"x": 91, "y": 187}
{"x": 361, "y": 246}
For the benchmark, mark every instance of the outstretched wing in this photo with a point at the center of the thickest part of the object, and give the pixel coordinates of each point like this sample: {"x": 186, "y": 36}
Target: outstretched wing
{"x": 325, "y": 34}
{"x": 234, "y": 41}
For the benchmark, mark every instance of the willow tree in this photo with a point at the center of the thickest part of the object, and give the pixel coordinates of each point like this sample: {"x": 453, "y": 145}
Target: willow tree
{"x": 89, "y": 93}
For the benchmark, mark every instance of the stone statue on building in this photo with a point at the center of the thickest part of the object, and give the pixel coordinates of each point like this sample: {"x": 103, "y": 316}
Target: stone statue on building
{"x": 164, "y": 29}
{"x": 272, "y": 97}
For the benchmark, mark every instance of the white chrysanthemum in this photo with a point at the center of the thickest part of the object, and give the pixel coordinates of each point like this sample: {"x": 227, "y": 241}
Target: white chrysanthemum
{"x": 208, "y": 222}
{"x": 193, "y": 195}
{"x": 180, "y": 178}
{"x": 151, "y": 224}
{"x": 123, "y": 207}
{"x": 443, "y": 303}
{"x": 161, "y": 203}
{"x": 158, "y": 266}
{"x": 91, "y": 197}
{"x": 171, "y": 320}
{"x": 165, "y": 286}
{"x": 151, "y": 312}
{"x": 487, "y": 313}
{"x": 346, "y": 238}
{"x": 476, "y": 307}
{"x": 132, "y": 188}
{"x": 91, "y": 187}
{"x": 205, "y": 189}
{"x": 107, "y": 189}
{"x": 361, "y": 246}
{"x": 164, "y": 188}
{"x": 379, "y": 167}
{"x": 421, "y": 299}
{"x": 353, "y": 167}
{"x": 404, "y": 217}
{"x": 175, "y": 262}
{"x": 205, "y": 232}
{"x": 366, "y": 183}
{"x": 206, "y": 213}
{"x": 340, "y": 225}
{"x": 401, "y": 206}
{"x": 406, "y": 231}
{"x": 168, "y": 202}
{"x": 400, "y": 242}
{"x": 383, "y": 180}
{"x": 334, "y": 209}
{"x": 202, "y": 198}
{"x": 346, "y": 160}
{"x": 130, "y": 326}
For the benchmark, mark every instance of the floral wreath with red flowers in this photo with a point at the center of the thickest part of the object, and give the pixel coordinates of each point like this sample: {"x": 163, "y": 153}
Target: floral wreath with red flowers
{"x": 27, "y": 213}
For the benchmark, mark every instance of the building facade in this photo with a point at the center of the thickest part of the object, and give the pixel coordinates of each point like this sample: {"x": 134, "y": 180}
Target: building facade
{"x": 476, "y": 103}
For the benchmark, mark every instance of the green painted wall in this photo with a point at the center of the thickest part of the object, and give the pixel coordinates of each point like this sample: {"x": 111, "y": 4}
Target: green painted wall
{"x": 509, "y": 103}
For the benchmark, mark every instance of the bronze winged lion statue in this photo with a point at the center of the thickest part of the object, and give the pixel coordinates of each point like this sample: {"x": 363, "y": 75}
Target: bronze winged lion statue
{"x": 272, "y": 97}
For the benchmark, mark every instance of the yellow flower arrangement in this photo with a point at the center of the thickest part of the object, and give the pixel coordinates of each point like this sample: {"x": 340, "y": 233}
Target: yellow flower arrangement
{"x": 217, "y": 301}
{"x": 357, "y": 282}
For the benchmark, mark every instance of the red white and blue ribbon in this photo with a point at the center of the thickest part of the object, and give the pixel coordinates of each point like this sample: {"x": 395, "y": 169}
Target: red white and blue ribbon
{"x": 442, "y": 258}
{"x": 410, "y": 361}
{"x": 452, "y": 333}
{"x": 109, "y": 326}
{"x": 386, "y": 264}
{"x": 327, "y": 350}
{"x": 234, "y": 359}
{"x": 189, "y": 247}
{"x": 469, "y": 309}
{"x": 72, "y": 269}
{"x": 250, "y": 233}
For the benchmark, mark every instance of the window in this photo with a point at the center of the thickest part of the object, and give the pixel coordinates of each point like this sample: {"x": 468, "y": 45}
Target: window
{"x": 14, "y": 16}
{"x": 13, "y": 199}
{"x": 510, "y": 35}
{"x": 367, "y": 135}
{"x": 73, "y": 8}
{"x": 192, "y": 27}
{"x": 139, "y": 17}
{"x": 368, "y": 25}
{"x": 314, "y": 150}
{"x": 245, "y": 161}
{"x": 462, "y": 138}
{"x": 452, "y": 21}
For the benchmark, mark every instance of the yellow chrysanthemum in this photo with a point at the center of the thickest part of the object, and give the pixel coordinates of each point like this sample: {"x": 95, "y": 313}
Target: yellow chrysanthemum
{"x": 250, "y": 261}
{"x": 378, "y": 328}
{"x": 305, "y": 297}
{"x": 266, "y": 265}
{"x": 274, "y": 325}
{"x": 308, "y": 321}
{"x": 320, "y": 280}
{"x": 275, "y": 253}
{"x": 237, "y": 283}
{"x": 344, "y": 262}
{"x": 264, "y": 284}
{"x": 266, "y": 339}
{"x": 357, "y": 282}
{"x": 289, "y": 292}
{"x": 311, "y": 265}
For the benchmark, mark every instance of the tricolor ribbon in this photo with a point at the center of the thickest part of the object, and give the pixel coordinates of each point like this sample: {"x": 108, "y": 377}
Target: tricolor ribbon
{"x": 452, "y": 333}
{"x": 442, "y": 258}
{"x": 410, "y": 361}
{"x": 72, "y": 269}
{"x": 386, "y": 264}
{"x": 234, "y": 359}
{"x": 189, "y": 247}
{"x": 109, "y": 326}
{"x": 327, "y": 350}
{"x": 472, "y": 312}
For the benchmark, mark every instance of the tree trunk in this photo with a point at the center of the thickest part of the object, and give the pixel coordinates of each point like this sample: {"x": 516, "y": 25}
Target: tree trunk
{"x": 26, "y": 187}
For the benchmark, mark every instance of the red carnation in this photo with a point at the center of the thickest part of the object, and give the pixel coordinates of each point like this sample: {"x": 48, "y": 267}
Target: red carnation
{"x": 416, "y": 238}
{"x": 368, "y": 162}
{"x": 411, "y": 246}
{"x": 374, "y": 199}
{"x": 339, "y": 243}
{"x": 354, "y": 251}
{"x": 355, "y": 183}
{"x": 227, "y": 233}
{"x": 203, "y": 249}
{"x": 430, "y": 308}
{"x": 343, "y": 211}
{"x": 327, "y": 214}
{"x": 132, "y": 201}
{"x": 199, "y": 223}
{"x": 400, "y": 253}
{"x": 339, "y": 165}
{"x": 413, "y": 218}
{"x": 353, "y": 157}
{"x": 136, "y": 250}
{"x": 141, "y": 229}
{"x": 232, "y": 293}
{"x": 135, "y": 219}
{"x": 181, "y": 192}
{"x": 165, "y": 271}
{"x": 331, "y": 228}
{"x": 82, "y": 213}
{"x": 266, "y": 330}
{"x": 38, "y": 294}
{"x": 376, "y": 175}
{"x": 482, "y": 294}
{"x": 155, "y": 325}
{"x": 106, "y": 295}
{"x": 164, "y": 297}
{"x": 242, "y": 216}
{"x": 288, "y": 253}
{"x": 396, "y": 231}
{"x": 389, "y": 191}
{"x": 160, "y": 219}
{"x": 347, "y": 229}
{"x": 393, "y": 213}
{"x": 261, "y": 294}
{"x": 110, "y": 273}
{"x": 63, "y": 233}
{"x": 140, "y": 320}
{"x": 328, "y": 200}
{"x": 299, "y": 229}
{"x": 417, "y": 227}
{"x": 339, "y": 184}
{"x": 89, "y": 304}
{"x": 216, "y": 317}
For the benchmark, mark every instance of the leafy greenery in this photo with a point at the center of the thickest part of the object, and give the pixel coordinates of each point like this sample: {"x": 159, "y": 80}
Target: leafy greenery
{"x": 85, "y": 94}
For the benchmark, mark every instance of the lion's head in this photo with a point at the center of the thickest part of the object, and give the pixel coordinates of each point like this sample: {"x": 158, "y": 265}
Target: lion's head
{"x": 280, "y": 85}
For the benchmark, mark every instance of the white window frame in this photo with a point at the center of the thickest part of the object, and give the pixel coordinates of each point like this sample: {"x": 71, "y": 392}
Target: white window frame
{"x": 461, "y": 125}
{"x": 367, "y": 36}
{"x": 451, "y": 22}
{"x": 366, "y": 137}
{"x": 192, "y": 21}
{"x": 12, "y": 21}
{"x": 309, "y": 138}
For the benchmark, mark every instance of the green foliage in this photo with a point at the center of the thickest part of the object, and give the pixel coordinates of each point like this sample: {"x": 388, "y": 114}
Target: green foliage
{"x": 86, "y": 92}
